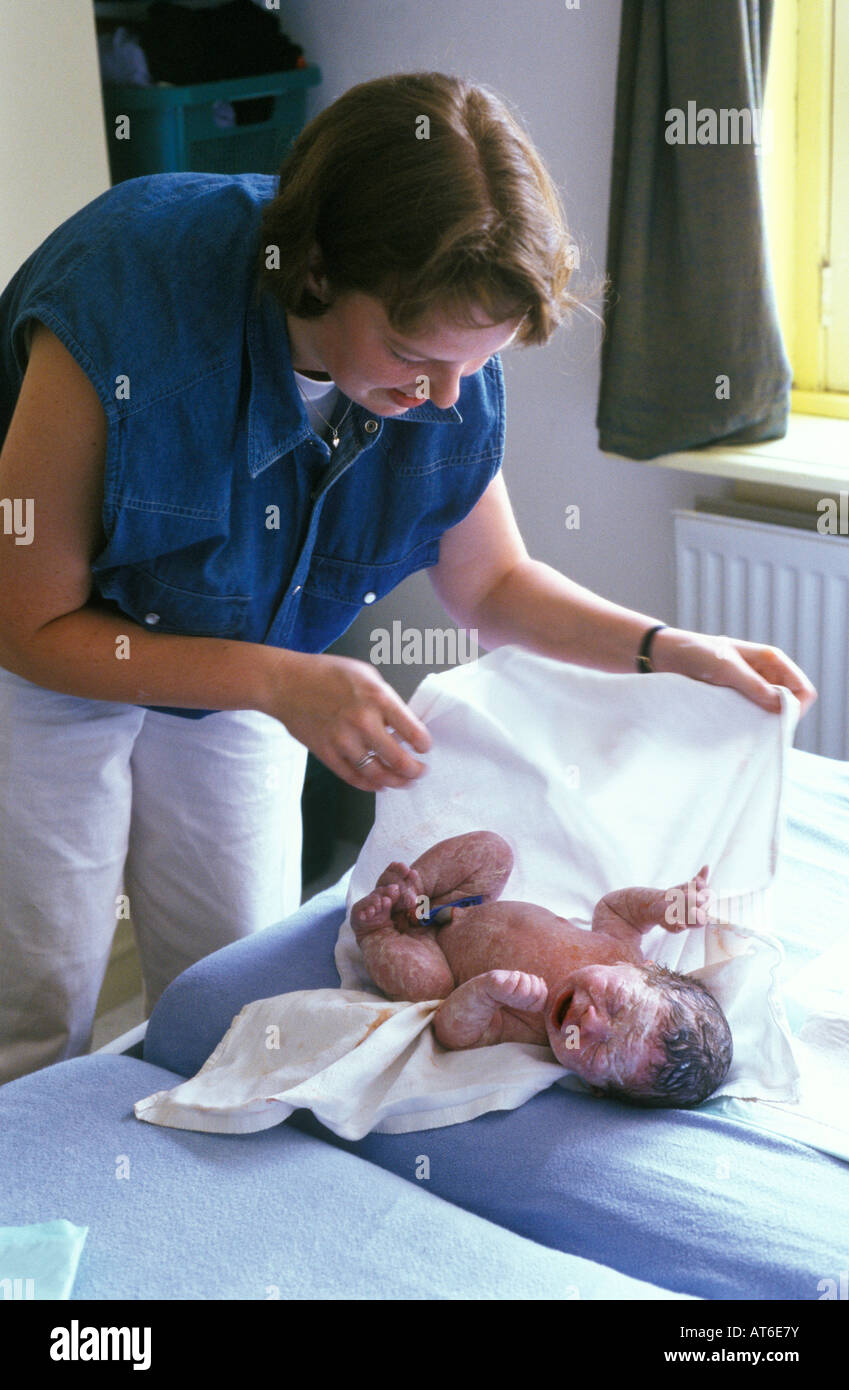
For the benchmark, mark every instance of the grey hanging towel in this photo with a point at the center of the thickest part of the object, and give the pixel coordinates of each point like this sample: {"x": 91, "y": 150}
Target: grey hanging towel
{"x": 692, "y": 353}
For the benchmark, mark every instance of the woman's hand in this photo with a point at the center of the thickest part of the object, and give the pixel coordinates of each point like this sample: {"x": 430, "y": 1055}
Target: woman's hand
{"x": 750, "y": 667}
{"x": 342, "y": 709}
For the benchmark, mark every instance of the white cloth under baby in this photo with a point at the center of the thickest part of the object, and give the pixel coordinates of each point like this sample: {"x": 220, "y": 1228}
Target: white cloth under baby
{"x": 598, "y": 782}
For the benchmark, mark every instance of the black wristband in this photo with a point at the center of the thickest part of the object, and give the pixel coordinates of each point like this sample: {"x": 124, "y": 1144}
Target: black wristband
{"x": 644, "y": 660}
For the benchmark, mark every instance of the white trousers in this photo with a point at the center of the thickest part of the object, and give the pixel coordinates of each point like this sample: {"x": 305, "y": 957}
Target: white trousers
{"x": 195, "y": 821}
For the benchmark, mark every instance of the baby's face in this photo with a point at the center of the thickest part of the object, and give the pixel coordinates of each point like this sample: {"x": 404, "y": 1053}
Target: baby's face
{"x": 616, "y": 1016}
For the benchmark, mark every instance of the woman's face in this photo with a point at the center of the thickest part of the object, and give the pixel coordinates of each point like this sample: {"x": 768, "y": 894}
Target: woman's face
{"x": 379, "y": 368}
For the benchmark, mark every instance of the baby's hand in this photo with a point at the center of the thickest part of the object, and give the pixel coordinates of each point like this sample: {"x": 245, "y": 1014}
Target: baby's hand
{"x": 688, "y": 904}
{"x": 516, "y": 988}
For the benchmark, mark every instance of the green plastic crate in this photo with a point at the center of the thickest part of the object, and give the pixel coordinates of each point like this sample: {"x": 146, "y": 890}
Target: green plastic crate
{"x": 173, "y": 129}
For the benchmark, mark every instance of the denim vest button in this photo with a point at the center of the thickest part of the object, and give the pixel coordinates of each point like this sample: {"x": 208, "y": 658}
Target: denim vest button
{"x": 369, "y": 597}
{"x": 152, "y": 618}
{"x": 296, "y": 590}
{"x": 371, "y": 426}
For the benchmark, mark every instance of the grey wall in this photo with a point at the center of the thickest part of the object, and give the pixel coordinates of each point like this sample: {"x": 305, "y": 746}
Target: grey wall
{"x": 557, "y": 67}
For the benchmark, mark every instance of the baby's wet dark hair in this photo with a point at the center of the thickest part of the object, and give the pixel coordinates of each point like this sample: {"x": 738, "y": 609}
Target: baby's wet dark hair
{"x": 697, "y": 1042}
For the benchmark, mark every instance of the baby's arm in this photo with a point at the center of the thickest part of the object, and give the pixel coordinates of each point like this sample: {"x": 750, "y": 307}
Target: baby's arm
{"x": 628, "y": 913}
{"x": 472, "y": 1016}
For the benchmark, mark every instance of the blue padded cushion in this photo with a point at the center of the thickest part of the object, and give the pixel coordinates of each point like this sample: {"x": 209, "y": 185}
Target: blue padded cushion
{"x": 278, "y": 1214}
{"x": 688, "y": 1200}
{"x": 198, "y": 1007}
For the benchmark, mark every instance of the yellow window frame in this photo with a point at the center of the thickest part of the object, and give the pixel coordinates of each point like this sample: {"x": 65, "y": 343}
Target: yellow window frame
{"x": 799, "y": 99}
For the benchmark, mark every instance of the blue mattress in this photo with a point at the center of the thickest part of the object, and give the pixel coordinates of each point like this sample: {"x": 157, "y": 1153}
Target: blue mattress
{"x": 274, "y": 1216}
{"x": 695, "y": 1202}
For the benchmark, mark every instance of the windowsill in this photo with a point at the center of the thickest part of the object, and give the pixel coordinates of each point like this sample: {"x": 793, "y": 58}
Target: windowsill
{"x": 814, "y": 455}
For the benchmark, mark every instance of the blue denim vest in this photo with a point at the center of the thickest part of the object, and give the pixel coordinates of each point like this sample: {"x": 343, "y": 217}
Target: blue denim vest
{"x": 225, "y": 514}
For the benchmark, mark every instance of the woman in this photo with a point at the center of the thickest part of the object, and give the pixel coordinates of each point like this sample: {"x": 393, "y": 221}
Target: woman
{"x": 234, "y": 418}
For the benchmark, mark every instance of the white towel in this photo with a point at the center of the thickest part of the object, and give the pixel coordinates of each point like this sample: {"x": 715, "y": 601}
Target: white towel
{"x": 819, "y": 1116}
{"x": 597, "y": 782}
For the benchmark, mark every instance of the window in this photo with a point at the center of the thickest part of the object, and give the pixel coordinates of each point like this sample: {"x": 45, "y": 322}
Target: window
{"x": 806, "y": 170}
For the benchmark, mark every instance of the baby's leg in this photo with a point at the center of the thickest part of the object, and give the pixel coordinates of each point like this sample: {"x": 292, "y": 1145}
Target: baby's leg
{"x": 404, "y": 965}
{"x": 628, "y": 913}
{"x": 476, "y": 864}
{"x": 472, "y": 1017}
{"x": 401, "y": 953}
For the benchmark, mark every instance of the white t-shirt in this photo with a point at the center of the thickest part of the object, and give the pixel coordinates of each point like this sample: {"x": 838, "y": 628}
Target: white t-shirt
{"x": 325, "y": 395}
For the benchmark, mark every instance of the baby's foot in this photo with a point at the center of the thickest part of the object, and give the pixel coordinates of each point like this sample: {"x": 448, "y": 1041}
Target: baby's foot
{"x": 375, "y": 909}
{"x": 407, "y": 881}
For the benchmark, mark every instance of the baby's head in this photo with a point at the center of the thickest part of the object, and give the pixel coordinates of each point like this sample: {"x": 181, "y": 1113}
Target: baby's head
{"x": 640, "y": 1033}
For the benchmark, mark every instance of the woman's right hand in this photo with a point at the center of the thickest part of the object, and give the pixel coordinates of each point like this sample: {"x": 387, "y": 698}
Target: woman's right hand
{"x": 343, "y": 709}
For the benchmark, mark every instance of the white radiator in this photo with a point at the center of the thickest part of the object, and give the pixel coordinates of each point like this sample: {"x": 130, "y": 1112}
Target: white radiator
{"x": 778, "y": 584}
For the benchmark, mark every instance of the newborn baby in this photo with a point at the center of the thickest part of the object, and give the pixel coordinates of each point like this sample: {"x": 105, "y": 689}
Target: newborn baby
{"x": 514, "y": 972}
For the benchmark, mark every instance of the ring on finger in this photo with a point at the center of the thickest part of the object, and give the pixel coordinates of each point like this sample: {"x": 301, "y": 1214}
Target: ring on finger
{"x": 366, "y": 758}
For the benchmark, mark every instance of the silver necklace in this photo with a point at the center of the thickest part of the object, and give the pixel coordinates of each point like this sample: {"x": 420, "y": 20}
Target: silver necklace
{"x": 334, "y": 429}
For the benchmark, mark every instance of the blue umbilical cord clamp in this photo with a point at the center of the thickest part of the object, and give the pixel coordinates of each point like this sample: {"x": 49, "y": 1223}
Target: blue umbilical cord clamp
{"x": 461, "y": 902}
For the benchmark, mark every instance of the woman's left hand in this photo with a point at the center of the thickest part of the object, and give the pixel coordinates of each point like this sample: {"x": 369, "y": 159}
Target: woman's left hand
{"x": 753, "y": 668}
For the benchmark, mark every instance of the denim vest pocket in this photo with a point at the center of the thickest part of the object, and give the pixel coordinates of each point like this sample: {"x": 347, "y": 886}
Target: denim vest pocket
{"x": 335, "y": 591}
{"x": 353, "y": 582}
{"x": 161, "y": 607}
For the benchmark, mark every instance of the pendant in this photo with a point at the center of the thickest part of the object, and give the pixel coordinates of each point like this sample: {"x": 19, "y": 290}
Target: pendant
{"x": 335, "y": 441}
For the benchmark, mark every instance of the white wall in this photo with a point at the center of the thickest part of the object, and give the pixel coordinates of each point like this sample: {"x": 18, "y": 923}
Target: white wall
{"x": 53, "y": 156}
{"x": 557, "y": 66}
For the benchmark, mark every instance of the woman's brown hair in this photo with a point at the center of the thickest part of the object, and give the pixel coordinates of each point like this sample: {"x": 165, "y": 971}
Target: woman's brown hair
{"x": 423, "y": 190}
